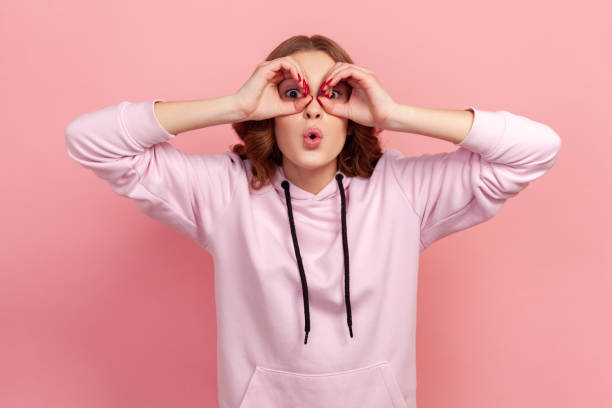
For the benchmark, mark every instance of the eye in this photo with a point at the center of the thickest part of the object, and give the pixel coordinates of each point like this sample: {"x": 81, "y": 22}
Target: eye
{"x": 339, "y": 94}
{"x": 342, "y": 91}
{"x": 293, "y": 90}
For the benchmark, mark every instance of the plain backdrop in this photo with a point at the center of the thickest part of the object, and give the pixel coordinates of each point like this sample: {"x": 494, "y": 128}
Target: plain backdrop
{"x": 101, "y": 306}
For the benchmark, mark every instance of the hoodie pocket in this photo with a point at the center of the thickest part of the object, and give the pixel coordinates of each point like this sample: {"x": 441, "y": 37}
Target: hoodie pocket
{"x": 373, "y": 386}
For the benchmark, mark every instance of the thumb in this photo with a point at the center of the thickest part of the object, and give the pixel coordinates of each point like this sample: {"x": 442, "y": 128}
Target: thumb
{"x": 291, "y": 107}
{"x": 328, "y": 105}
{"x": 303, "y": 102}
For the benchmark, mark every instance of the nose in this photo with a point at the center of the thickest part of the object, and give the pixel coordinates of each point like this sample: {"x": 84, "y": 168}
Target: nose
{"x": 313, "y": 109}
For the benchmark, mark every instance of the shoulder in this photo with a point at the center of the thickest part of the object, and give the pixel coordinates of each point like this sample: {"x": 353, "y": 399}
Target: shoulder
{"x": 390, "y": 158}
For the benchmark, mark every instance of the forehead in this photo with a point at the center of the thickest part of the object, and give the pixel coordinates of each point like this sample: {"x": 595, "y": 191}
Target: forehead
{"x": 314, "y": 64}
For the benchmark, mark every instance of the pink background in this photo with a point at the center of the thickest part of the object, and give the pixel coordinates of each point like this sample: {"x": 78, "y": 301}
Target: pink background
{"x": 101, "y": 306}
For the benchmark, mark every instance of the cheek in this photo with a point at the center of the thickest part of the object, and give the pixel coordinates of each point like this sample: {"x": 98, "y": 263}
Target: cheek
{"x": 281, "y": 125}
{"x": 289, "y": 123}
{"x": 340, "y": 126}
{"x": 284, "y": 128}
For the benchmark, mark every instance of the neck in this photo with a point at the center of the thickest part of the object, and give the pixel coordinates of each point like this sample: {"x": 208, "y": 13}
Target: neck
{"x": 311, "y": 180}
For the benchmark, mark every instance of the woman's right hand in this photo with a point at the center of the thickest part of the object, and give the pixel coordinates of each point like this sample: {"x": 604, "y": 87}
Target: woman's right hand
{"x": 260, "y": 97}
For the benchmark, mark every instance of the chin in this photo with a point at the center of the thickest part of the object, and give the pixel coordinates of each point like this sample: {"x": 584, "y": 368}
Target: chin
{"x": 312, "y": 159}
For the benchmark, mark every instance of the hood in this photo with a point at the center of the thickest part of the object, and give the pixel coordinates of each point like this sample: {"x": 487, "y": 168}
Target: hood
{"x": 328, "y": 192}
{"x": 291, "y": 194}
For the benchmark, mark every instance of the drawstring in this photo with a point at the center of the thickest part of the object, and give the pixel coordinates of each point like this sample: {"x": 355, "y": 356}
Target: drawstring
{"x": 347, "y": 295}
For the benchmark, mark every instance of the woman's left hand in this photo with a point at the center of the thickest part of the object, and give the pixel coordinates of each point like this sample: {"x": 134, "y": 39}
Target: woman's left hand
{"x": 369, "y": 104}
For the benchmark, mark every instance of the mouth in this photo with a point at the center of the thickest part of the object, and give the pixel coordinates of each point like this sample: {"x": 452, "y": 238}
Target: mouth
{"x": 313, "y": 133}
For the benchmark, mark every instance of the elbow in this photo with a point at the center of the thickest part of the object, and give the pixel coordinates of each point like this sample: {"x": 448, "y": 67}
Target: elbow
{"x": 555, "y": 144}
{"x": 76, "y": 142}
{"x": 71, "y": 137}
{"x": 71, "y": 131}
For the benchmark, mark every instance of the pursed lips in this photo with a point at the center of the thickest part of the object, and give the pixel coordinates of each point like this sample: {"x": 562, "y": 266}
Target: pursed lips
{"x": 313, "y": 130}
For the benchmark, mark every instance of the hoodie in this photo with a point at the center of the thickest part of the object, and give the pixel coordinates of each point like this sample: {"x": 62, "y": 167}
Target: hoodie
{"x": 315, "y": 293}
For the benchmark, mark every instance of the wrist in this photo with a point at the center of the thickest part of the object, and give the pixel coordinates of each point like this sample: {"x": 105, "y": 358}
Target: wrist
{"x": 400, "y": 118}
{"x": 230, "y": 110}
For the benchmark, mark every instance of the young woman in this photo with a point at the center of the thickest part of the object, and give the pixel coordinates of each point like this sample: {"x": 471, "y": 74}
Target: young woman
{"x": 309, "y": 197}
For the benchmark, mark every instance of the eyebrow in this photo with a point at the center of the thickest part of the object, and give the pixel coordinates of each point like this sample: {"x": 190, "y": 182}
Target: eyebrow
{"x": 342, "y": 82}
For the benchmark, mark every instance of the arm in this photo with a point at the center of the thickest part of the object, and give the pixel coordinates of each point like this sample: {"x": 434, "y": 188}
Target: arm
{"x": 181, "y": 116}
{"x": 126, "y": 145}
{"x": 499, "y": 154}
{"x": 446, "y": 124}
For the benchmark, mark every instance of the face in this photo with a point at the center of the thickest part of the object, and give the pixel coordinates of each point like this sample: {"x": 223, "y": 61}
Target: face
{"x": 289, "y": 129}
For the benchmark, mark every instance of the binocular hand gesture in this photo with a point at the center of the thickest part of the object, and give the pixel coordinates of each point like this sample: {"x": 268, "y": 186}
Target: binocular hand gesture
{"x": 259, "y": 97}
{"x": 369, "y": 104}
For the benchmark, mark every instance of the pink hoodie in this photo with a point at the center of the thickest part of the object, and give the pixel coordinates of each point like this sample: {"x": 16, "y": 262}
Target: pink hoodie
{"x": 281, "y": 256}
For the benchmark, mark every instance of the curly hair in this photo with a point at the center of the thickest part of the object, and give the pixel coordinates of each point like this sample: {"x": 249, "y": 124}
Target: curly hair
{"x": 361, "y": 150}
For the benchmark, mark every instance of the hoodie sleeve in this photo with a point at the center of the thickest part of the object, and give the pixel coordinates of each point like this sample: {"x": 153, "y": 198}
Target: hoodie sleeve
{"x": 452, "y": 191}
{"x": 127, "y": 146}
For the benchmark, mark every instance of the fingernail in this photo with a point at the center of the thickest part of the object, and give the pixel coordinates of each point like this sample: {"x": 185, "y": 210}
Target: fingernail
{"x": 328, "y": 82}
{"x": 299, "y": 77}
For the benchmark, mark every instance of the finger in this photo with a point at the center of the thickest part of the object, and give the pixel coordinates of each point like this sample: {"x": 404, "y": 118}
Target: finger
{"x": 278, "y": 65}
{"x": 295, "y": 106}
{"x": 352, "y": 82}
{"x": 278, "y": 77}
{"x": 336, "y": 109}
{"x": 299, "y": 67}
{"x": 290, "y": 68}
{"x": 303, "y": 102}
{"x": 301, "y": 78}
{"x": 332, "y": 70}
{"x": 332, "y": 81}
{"x": 343, "y": 66}
{"x": 357, "y": 76}
{"x": 328, "y": 86}
{"x": 296, "y": 72}
{"x": 338, "y": 65}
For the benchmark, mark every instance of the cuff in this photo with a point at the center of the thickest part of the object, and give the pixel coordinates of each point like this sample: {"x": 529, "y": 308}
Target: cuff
{"x": 142, "y": 124}
{"x": 486, "y": 132}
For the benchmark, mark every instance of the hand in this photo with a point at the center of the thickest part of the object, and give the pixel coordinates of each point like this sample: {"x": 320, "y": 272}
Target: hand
{"x": 259, "y": 97}
{"x": 369, "y": 104}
